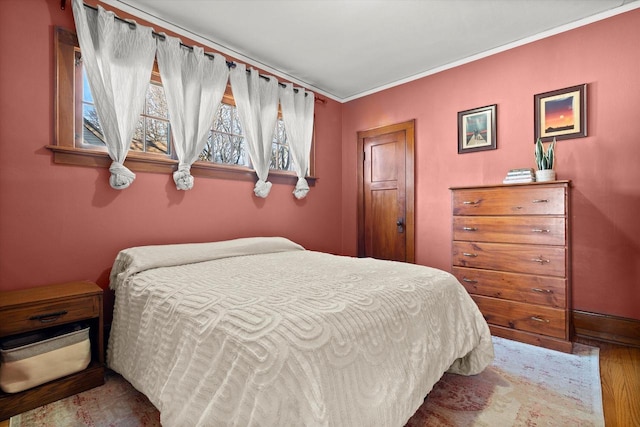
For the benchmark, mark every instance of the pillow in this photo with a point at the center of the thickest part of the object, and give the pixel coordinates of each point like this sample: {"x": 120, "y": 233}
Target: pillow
{"x": 138, "y": 259}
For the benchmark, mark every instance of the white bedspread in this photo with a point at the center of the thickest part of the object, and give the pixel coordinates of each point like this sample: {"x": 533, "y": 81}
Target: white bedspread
{"x": 275, "y": 335}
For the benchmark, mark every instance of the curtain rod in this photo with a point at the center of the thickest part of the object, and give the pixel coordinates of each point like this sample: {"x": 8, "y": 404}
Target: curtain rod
{"x": 157, "y": 35}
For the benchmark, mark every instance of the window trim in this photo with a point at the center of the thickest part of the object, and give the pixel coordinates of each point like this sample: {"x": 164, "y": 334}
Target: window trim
{"x": 65, "y": 152}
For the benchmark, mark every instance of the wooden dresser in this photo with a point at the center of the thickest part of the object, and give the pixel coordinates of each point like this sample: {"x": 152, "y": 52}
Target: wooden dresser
{"x": 511, "y": 251}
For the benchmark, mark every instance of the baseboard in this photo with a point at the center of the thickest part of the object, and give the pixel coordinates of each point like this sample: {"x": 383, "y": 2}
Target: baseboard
{"x": 603, "y": 327}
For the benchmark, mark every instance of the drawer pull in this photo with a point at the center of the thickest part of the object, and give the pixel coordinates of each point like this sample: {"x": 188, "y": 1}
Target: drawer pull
{"x": 539, "y": 319}
{"x": 540, "y": 230}
{"x": 540, "y": 201}
{"x": 468, "y": 202}
{"x": 469, "y": 255}
{"x": 540, "y": 260}
{"x": 49, "y": 317}
{"x": 464, "y": 279}
{"x": 542, "y": 291}
{"x": 469, "y": 228}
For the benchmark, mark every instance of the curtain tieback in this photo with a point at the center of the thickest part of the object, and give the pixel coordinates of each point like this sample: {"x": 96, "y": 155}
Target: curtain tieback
{"x": 262, "y": 188}
{"x": 121, "y": 177}
{"x": 302, "y": 188}
{"x": 182, "y": 177}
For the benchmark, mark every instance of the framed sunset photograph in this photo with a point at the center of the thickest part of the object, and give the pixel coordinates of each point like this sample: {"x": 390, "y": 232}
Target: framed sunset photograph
{"x": 477, "y": 129}
{"x": 561, "y": 114}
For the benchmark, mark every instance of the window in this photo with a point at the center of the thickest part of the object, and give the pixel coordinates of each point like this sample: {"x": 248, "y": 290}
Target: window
{"x": 280, "y": 158}
{"x": 225, "y": 143}
{"x": 152, "y": 134}
{"x": 79, "y": 139}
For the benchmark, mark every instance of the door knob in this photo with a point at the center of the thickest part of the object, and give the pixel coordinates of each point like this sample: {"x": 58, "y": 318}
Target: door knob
{"x": 400, "y": 225}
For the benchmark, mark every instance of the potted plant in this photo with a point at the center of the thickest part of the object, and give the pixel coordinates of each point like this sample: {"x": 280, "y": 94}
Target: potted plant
{"x": 544, "y": 161}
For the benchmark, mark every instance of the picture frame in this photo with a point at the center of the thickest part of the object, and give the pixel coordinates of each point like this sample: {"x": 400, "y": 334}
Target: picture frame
{"x": 477, "y": 129}
{"x": 561, "y": 114}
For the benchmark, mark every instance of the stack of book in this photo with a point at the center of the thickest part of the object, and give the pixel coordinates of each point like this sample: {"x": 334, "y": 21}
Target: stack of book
{"x": 517, "y": 176}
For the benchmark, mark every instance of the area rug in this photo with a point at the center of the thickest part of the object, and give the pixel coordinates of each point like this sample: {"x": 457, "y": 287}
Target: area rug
{"x": 525, "y": 386}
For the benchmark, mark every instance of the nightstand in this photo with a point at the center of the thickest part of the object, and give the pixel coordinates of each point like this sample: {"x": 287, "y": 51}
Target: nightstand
{"x": 43, "y": 307}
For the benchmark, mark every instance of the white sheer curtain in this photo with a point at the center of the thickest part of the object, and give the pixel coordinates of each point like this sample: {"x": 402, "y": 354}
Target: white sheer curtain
{"x": 118, "y": 58}
{"x": 257, "y": 102}
{"x": 194, "y": 84}
{"x": 297, "y": 113}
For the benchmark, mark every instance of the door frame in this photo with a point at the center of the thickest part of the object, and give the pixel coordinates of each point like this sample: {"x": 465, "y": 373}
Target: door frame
{"x": 409, "y": 128}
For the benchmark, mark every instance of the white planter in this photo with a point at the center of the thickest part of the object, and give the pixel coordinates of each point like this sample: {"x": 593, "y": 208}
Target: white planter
{"x": 545, "y": 175}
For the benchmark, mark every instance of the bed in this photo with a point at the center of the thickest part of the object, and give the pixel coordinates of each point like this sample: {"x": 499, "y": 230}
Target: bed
{"x": 261, "y": 332}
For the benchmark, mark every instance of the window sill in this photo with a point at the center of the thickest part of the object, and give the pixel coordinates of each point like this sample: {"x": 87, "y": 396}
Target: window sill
{"x": 138, "y": 162}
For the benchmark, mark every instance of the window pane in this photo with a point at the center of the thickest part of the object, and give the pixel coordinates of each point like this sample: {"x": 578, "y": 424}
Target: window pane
{"x": 235, "y": 120}
{"x": 207, "y": 152}
{"x": 222, "y": 122}
{"x": 222, "y": 148}
{"x": 86, "y": 91}
{"x": 241, "y": 156}
{"x": 226, "y": 143}
{"x": 280, "y": 158}
{"x": 151, "y": 135}
{"x": 280, "y": 154}
{"x": 281, "y": 135}
{"x": 137, "y": 143}
{"x": 273, "y": 164}
{"x": 91, "y": 130}
{"x": 157, "y": 136}
{"x": 156, "y": 103}
{"x": 227, "y": 121}
{"x": 228, "y": 149}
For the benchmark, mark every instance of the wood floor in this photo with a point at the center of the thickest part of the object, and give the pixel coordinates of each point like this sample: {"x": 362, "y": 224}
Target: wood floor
{"x": 620, "y": 377}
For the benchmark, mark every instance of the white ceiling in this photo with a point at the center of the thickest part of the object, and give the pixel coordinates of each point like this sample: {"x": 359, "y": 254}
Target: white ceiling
{"x": 345, "y": 49}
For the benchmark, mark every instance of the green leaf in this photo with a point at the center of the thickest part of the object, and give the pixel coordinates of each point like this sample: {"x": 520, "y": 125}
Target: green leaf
{"x": 545, "y": 160}
{"x": 539, "y": 153}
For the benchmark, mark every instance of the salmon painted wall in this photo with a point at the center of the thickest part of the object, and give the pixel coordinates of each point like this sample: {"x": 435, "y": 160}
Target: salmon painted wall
{"x": 604, "y": 167}
{"x": 60, "y": 223}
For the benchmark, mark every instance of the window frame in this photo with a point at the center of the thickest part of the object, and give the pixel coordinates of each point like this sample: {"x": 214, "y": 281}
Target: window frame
{"x": 64, "y": 147}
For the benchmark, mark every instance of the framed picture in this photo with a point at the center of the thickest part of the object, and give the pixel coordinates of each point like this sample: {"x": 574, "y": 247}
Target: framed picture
{"x": 477, "y": 129}
{"x": 561, "y": 114}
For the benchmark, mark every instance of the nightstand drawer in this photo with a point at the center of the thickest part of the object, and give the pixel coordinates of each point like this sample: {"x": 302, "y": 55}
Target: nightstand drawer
{"x": 42, "y": 315}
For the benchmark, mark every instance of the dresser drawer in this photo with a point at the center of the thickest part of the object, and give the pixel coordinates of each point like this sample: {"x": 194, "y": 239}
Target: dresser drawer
{"x": 530, "y": 200}
{"x": 41, "y": 315}
{"x": 525, "y": 317}
{"x": 542, "y": 290}
{"x": 531, "y": 259}
{"x": 510, "y": 229}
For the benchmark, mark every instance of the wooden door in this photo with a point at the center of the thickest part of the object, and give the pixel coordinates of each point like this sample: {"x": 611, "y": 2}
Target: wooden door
{"x": 385, "y": 193}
